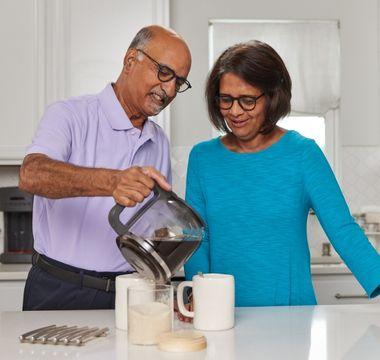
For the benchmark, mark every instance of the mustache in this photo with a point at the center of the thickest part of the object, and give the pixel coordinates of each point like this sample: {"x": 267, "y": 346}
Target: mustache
{"x": 162, "y": 94}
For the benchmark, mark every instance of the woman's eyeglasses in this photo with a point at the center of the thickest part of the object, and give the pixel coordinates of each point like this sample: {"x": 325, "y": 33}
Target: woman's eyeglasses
{"x": 247, "y": 103}
{"x": 165, "y": 74}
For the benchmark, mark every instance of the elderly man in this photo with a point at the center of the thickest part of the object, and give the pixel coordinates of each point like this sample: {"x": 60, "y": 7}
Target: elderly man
{"x": 89, "y": 152}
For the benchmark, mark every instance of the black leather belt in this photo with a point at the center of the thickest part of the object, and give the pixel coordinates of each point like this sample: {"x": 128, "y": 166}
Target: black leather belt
{"x": 81, "y": 279}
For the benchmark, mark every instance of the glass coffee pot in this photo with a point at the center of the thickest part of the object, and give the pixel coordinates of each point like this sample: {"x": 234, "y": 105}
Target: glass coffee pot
{"x": 160, "y": 237}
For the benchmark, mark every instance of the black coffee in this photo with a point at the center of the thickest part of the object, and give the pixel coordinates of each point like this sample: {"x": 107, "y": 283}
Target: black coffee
{"x": 175, "y": 253}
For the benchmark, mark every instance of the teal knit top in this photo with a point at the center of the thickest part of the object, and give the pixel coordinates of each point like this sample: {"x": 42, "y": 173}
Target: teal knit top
{"x": 255, "y": 206}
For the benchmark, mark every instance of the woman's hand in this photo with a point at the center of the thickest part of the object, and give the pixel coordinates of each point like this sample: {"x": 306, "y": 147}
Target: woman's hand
{"x": 189, "y": 306}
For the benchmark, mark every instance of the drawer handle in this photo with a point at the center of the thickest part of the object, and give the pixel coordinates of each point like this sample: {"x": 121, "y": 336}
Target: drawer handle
{"x": 339, "y": 296}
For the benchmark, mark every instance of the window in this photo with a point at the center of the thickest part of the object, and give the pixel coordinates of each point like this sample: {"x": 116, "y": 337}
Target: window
{"x": 323, "y": 129}
{"x": 309, "y": 126}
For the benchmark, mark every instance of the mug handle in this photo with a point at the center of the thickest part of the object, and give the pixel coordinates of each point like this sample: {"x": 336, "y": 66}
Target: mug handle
{"x": 181, "y": 305}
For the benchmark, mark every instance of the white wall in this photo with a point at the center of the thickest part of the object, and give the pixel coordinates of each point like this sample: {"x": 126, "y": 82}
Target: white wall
{"x": 359, "y": 38}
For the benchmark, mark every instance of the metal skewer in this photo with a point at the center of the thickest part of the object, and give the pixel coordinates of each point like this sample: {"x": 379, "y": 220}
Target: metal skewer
{"x": 71, "y": 338}
{"x": 32, "y": 339}
{"x": 46, "y": 338}
{"x": 23, "y": 337}
{"x": 57, "y": 339}
{"x": 68, "y": 335}
{"x": 38, "y": 337}
{"x": 85, "y": 338}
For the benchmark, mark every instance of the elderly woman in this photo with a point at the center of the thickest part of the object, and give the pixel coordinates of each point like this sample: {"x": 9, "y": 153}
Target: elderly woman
{"x": 255, "y": 185}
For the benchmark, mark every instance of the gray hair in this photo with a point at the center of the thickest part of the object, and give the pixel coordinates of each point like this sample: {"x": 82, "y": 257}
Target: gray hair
{"x": 141, "y": 39}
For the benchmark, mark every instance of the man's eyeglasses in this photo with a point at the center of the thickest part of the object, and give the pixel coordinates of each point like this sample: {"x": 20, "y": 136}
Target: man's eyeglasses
{"x": 247, "y": 103}
{"x": 165, "y": 74}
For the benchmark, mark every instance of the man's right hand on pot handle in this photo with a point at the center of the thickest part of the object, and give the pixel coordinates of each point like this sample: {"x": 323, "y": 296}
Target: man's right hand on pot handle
{"x": 133, "y": 185}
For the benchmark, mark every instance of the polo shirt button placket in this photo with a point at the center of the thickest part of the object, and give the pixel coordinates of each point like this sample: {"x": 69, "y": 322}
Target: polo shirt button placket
{"x": 140, "y": 141}
{"x": 136, "y": 145}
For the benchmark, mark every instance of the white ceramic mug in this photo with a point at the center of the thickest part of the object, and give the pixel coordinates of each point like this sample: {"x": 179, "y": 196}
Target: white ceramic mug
{"x": 123, "y": 282}
{"x": 214, "y": 301}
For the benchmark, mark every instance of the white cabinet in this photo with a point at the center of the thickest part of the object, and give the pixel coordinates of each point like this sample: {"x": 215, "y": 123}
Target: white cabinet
{"x": 54, "y": 49}
{"x": 340, "y": 289}
{"x": 18, "y": 73}
{"x": 11, "y": 295}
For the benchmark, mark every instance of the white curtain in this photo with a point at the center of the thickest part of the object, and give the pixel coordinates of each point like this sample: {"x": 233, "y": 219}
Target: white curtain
{"x": 310, "y": 50}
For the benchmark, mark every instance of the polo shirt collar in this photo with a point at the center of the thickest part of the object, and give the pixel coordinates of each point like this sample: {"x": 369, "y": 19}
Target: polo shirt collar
{"x": 117, "y": 117}
{"x": 113, "y": 110}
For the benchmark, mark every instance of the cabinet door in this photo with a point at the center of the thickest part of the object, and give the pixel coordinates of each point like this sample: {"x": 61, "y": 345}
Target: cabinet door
{"x": 18, "y": 74}
{"x": 93, "y": 46}
{"x": 11, "y": 295}
{"x": 340, "y": 289}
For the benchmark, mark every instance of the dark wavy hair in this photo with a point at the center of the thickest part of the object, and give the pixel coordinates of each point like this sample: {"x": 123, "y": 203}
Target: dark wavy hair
{"x": 259, "y": 65}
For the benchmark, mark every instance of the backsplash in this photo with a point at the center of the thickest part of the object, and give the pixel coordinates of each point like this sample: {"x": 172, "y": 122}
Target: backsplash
{"x": 361, "y": 176}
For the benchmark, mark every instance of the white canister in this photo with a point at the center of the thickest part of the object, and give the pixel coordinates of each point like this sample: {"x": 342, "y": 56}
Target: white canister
{"x": 214, "y": 301}
{"x": 123, "y": 282}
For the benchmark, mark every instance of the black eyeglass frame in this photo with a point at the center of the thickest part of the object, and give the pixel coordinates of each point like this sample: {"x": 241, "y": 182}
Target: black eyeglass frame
{"x": 173, "y": 75}
{"x": 254, "y": 98}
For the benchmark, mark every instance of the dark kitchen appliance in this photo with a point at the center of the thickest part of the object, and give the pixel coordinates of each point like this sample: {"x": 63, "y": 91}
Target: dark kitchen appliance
{"x": 16, "y": 206}
{"x": 160, "y": 237}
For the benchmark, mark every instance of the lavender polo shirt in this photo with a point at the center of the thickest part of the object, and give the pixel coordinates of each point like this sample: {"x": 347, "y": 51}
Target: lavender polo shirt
{"x": 91, "y": 131}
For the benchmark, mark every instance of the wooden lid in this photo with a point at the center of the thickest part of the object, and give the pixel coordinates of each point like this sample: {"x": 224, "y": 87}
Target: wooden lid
{"x": 182, "y": 341}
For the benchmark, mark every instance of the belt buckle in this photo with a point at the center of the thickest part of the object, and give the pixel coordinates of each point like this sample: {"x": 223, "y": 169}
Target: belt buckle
{"x": 108, "y": 285}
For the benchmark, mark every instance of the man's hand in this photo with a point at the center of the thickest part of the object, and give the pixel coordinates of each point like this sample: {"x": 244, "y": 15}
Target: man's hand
{"x": 136, "y": 183}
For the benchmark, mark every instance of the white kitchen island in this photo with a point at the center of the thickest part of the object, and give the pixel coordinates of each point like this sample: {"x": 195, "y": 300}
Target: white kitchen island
{"x": 328, "y": 332}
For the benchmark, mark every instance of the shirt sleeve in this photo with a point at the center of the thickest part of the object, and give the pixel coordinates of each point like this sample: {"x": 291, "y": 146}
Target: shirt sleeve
{"x": 200, "y": 260}
{"x": 348, "y": 239}
{"x": 54, "y": 133}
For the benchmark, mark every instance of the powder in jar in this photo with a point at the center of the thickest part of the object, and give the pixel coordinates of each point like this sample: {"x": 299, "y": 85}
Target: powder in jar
{"x": 147, "y": 321}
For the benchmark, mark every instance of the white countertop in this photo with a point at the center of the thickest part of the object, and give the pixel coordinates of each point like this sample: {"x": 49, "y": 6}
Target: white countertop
{"x": 330, "y": 269}
{"x": 309, "y": 333}
{"x": 14, "y": 271}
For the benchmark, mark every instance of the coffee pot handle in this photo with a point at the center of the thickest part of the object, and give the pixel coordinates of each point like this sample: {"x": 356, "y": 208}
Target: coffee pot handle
{"x": 181, "y": 306}
{"x": 114, "y": 214}
{"x": 114, "y": 219}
